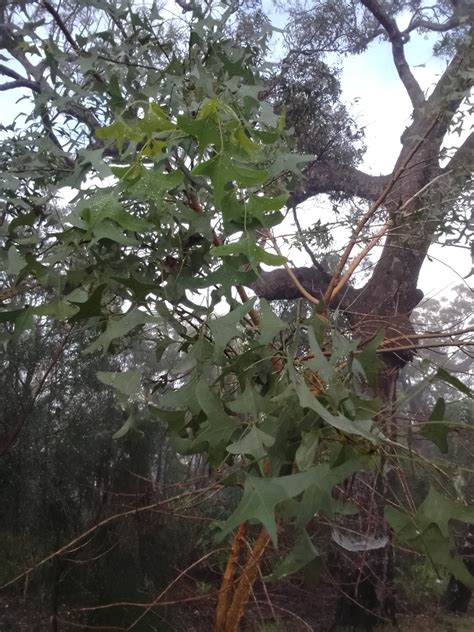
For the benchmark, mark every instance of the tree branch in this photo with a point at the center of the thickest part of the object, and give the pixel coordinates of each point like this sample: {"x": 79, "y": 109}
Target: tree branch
{"x": 420, "y": 23}
{"x": 11, "y": 85}
{"x": 278, "y": 285}
{"x": 398, "y": 41}
{"x": 18, "y": 80}
{"x": 59, "y": 21}
{"x": 328, "y": 177}
{"x": 462, "y": 14}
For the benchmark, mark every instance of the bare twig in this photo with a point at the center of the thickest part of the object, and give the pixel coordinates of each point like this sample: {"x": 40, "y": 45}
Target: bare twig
{"x": 372, "y": 210}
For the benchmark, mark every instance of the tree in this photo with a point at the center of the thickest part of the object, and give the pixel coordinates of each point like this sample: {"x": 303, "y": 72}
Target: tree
{"x": 195, "y": 135}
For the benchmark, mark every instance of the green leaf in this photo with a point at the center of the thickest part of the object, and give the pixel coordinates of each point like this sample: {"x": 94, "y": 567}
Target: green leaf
{"x": 119, "y": 326}
{"x": 252, "y": 213}
{"x": 302, "y": 554}
{"x": 105, "y": 205}
{"x": 182, "y": 398}
{"x": 243, "y": 141}
{"x": 362, "y": 427}
{"x": 440, "y": 510}
{"x": 155, "y": 121}
{"x": 127, "y": 426}
{"x": 249, "y": 177}
{"x": 225, "y": 328}
{"x": 219, "y": 427}
{"x": 141, "y": 288}
{"x": 175, "y": 420}
{"x": 222, "y": 171}
{"x": 205, "y": 130}
{"x": 89, "y": 308}
{"x": 249, "y": 402}
{"x": 270, "y": 324}
{"x": 319, "y": 363}
{"x": 445, "y": 376}
{"x": 126, "y": 382}
{"x": 153, "y": 184}
{"x": 226, "y": 275}
{"x": 370, "y": 360}
{"x": 10, "y": 315}
{"x": 427, "y": 532}
{"x": 318, "y": 496}
{"x": 319, "y": 325}
{"x": 15, "y": 261}
{"x": 24, "y": 321}
{"x": 440, "y": 552}
{"x": 59, "y": 309}
{"x": 254, "y": 443}
{"x": 119, "y": 132}
{"x": 290, "y": 162}
{"x": 434, "y": 429}
{"x": 254, "y": 253}
{"x": 109, "y": 230}
{"x": 304, "y": 457}
{"x": 262, "y": 495}
{"x": 117, "y": 100}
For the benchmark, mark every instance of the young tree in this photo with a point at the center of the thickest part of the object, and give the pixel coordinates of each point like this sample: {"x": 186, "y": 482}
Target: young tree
{"x": 191, "y": 124}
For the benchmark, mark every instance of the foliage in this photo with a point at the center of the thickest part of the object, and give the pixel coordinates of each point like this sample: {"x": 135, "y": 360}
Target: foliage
{"x": 179, "y": 177}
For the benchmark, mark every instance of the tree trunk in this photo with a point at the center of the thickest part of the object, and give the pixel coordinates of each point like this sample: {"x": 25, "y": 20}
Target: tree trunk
{"x": 365, "y": 572}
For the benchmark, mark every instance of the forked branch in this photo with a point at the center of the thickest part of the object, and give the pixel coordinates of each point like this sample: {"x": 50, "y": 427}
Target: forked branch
{"x": 397, "y": 39}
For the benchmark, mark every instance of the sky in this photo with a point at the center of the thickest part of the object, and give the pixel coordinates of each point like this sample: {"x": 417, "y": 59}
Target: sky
{"x": 384, "y": 108}
{"x": 377, "y": 100}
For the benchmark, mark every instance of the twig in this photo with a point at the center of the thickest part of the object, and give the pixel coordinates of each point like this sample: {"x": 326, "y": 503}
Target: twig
{"x": 93, "y": 529}
{"x": 372, "y": 210}
{"x": 170, "y": 585}
{"x": 374, "y": 241}
{"x": 303, "y": 291}
{"x": 59, "y": 21}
